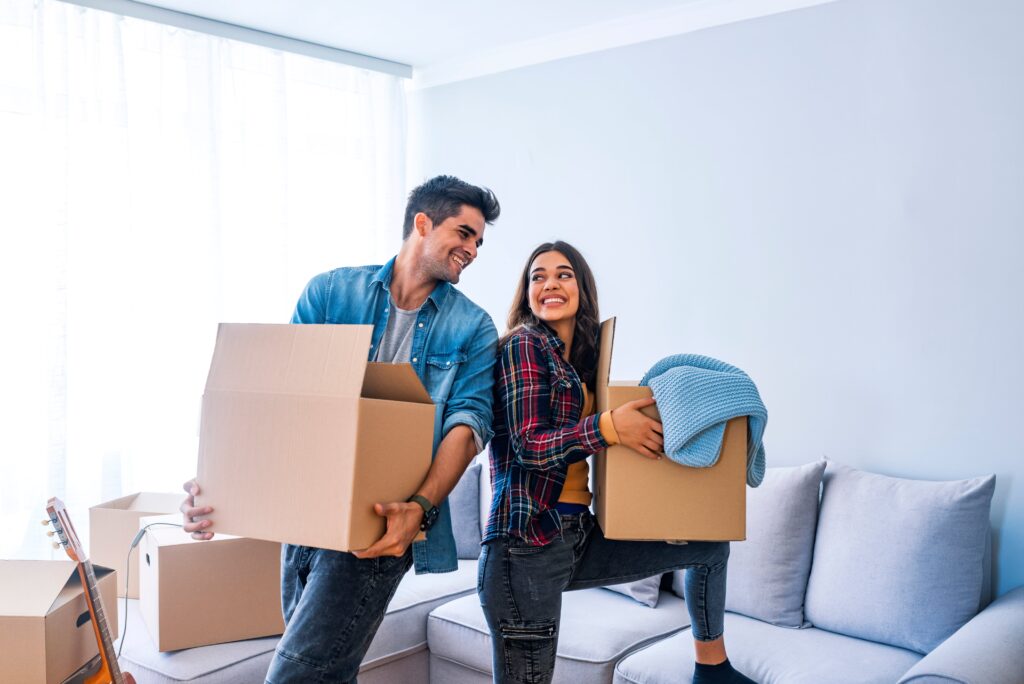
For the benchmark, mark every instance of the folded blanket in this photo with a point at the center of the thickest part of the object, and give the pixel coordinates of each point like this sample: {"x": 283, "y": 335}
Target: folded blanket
{"x": 696, "y": 396}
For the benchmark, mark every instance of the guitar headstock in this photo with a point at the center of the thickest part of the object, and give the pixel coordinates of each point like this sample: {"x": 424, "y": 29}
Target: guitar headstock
{"x": 65, "y": 531}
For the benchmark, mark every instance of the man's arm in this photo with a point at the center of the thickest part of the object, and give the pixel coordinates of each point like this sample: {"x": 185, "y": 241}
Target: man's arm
{"x": 454, "y": 453}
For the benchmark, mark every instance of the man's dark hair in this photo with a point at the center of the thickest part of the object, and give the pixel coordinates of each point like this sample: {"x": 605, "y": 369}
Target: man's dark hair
{"x": 442, "y": 197}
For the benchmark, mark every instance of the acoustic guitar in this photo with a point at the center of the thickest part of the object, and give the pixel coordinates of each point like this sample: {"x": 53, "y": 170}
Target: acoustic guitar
{"x": 108, "y": 672}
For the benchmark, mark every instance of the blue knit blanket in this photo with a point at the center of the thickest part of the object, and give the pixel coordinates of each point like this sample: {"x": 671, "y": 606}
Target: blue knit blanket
{"x": 696, "y": 396}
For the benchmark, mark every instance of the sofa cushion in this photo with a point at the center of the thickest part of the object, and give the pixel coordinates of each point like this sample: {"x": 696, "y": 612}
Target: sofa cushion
{"x": 597, "y": 628}
{"x": 644, "y": 591}
{"x": 767, "y": 575}
{"x": 771, "y": 654}
{"x": 402, "y": 633}
{"x": 898, "y": 561}
{"x": 464, "y": 504}
{"x": 238, "y": 661}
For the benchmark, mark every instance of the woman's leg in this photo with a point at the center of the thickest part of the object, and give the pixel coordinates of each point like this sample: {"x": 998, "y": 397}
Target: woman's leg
{"x": 520, "y": 588}
{"x": 610, "y": 561}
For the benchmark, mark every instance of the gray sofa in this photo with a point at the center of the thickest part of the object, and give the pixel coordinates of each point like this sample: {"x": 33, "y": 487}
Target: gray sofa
{"x": 846, "y": 576}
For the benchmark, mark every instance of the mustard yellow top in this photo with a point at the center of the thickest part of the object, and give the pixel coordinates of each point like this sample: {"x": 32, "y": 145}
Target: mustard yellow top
{"x": 577, "y": 479}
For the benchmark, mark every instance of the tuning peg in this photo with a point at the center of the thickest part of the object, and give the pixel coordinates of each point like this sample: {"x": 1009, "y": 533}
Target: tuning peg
{"x": 50, "y": 533}
{"x": 44, "y": 523}
{"x": 56, "y": 545}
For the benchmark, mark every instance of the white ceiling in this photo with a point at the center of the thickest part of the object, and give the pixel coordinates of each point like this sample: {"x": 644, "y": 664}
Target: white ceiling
{"x": 445, "y": 40}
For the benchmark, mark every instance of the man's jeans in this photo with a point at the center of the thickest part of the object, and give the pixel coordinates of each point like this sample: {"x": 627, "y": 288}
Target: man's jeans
{"x": 333, "y": 604}
{"x": 521, "y": 587}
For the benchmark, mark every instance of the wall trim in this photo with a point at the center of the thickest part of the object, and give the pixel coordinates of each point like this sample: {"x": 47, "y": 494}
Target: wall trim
{"x": 686, "y": 18}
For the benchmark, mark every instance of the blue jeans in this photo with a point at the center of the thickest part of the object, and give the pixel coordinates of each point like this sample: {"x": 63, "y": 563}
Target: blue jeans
{"x": 521, "y": 587}
{"x": 333, "y": 604}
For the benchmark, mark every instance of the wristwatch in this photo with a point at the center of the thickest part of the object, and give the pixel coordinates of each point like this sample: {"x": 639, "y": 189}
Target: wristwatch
{"x": 430, "y": 511}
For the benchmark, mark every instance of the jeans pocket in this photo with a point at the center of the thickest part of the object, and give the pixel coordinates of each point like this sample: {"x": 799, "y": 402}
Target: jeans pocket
{"x": 529, "y": 650}
{"x": 521, "y": 547}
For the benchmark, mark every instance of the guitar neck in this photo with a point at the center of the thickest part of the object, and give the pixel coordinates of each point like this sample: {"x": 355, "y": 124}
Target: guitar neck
{"x": 92, "y": 595}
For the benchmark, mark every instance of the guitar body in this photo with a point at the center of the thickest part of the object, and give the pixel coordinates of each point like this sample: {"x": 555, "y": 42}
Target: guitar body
{"x": 109, "y": 672}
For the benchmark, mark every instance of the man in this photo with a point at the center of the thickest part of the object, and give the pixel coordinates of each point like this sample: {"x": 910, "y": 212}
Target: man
{"x": 334, "y": 601}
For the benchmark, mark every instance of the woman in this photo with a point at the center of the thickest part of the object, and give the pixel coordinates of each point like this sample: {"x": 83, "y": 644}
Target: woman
{"x": 541, "y": 539}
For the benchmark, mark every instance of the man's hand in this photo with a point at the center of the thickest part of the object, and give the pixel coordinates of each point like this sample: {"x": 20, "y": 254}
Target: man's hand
{"x": 640, "y": 433}
{"x": 199, "y": 529}
{"x": 403, "y": 525}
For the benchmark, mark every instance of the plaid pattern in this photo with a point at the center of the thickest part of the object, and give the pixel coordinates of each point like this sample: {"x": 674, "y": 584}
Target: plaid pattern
{"x": 538, "y": 400}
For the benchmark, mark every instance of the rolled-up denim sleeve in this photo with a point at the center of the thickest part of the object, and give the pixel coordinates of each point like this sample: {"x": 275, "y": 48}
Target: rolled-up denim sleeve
{"x": 471, "y": 401}
{"x": 312, "y": 304}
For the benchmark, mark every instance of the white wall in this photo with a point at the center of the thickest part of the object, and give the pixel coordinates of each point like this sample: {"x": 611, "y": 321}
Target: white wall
{"x": 829, "y": 198}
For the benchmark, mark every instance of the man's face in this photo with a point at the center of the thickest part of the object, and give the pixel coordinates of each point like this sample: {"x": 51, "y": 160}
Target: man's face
{"x": 451, "y": 246}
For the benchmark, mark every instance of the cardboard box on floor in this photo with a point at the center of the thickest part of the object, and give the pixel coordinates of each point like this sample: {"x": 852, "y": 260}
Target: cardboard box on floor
{"x": 196, "y": 593}
{"x": 113, "y": 525}
{"x": 300, "y": 436}
{"x": 640, "y": 498}
{"x": 45, "y": 631}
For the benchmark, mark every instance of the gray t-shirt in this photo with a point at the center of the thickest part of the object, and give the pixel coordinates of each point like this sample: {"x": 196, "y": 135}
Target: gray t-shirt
{"x": 396, "y": 345}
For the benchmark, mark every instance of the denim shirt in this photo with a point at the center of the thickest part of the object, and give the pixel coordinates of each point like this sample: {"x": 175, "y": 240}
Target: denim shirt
{"x": 453, "y": 351}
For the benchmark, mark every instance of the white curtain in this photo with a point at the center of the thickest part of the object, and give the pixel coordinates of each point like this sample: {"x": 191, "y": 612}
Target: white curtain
{"x": 153, "y": 182}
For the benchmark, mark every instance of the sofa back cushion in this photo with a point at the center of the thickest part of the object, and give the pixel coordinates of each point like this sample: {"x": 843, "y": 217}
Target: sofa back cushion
{"x": 898, "y": 561}
{"x": 464, "y": 502}
{"x": 767, "y": 575}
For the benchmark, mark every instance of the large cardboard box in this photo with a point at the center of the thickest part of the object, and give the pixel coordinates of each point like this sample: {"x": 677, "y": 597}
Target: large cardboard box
{"x": 196, "y": 593}
{"x": 45, "y": 631}
{"x": 113, "y": 525}
{"x": 300, "y": 436}
{"x": 644, "y": 499}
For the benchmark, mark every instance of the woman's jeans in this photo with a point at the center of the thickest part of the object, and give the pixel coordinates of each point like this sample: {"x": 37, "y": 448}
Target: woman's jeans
{"x": 333, "y": 604}
{"x": 521, "y": 587}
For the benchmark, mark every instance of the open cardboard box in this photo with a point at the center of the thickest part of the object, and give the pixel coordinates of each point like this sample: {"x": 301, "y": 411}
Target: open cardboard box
{"x": 46, "y": 634}
{"x": 644, "y": 499}
{"x": 113, "y": 525}
{"x": 196, "y": 593}
{"x": 300, "y": 435}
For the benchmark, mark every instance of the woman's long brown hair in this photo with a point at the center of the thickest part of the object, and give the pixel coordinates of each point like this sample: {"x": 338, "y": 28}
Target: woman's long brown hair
{"x": 583, "y": 355}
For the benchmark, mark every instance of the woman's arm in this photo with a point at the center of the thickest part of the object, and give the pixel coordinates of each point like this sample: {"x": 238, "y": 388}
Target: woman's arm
{"x": 524, "y": 394}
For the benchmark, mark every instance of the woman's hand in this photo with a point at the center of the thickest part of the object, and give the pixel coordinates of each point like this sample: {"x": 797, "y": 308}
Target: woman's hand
{"x": 637, "y": 431}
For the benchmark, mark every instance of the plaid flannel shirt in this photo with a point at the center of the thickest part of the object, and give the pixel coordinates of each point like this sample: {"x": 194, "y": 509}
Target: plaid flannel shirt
{"x": 538, "y": 401}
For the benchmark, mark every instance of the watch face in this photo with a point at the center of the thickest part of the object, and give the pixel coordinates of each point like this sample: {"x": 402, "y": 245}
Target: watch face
{"x": 429, "y": 518}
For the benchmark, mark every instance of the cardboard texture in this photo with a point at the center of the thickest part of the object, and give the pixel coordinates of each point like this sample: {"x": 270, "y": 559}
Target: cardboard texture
{"x": 112, "y": 526}
{"x": 45, "y": 630}
{"x": 196, "y": 593}
{"x": 300, "y": 435}
{"x": 643, "y": 499}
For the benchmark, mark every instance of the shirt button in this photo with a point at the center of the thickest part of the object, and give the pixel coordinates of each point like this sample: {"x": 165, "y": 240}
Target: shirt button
{"x": 415, "y": 360}
{"x": 421, "y": 325}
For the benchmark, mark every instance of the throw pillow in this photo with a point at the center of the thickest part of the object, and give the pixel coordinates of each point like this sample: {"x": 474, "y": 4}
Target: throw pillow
{"x": 464, "y": 505}
{"x": 898, "y": 561}
{"x": 767, "y": 575}
{"x": 643, "y": 591}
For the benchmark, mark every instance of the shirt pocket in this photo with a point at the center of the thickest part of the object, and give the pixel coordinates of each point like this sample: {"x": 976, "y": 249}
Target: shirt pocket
{"x": 441, "y": 372}
{"x": 565, "y": 404}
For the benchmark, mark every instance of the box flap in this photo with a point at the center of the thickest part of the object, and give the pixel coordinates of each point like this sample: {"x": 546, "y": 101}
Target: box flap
{"x": 155, "y": 502}
{"x": 604, "y": 363}
{"x": 394, "y": 381}
{"x": 326, "y": 360}
{"x": 28, "y": 588}
{"x": 72, "y": 589}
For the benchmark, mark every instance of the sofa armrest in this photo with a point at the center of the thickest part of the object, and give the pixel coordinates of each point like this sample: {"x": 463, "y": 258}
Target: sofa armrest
{"x": 987, "y": 649}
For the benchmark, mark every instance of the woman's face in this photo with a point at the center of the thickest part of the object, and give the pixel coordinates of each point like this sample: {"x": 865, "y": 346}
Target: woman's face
{"x": 554, "y": 291}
